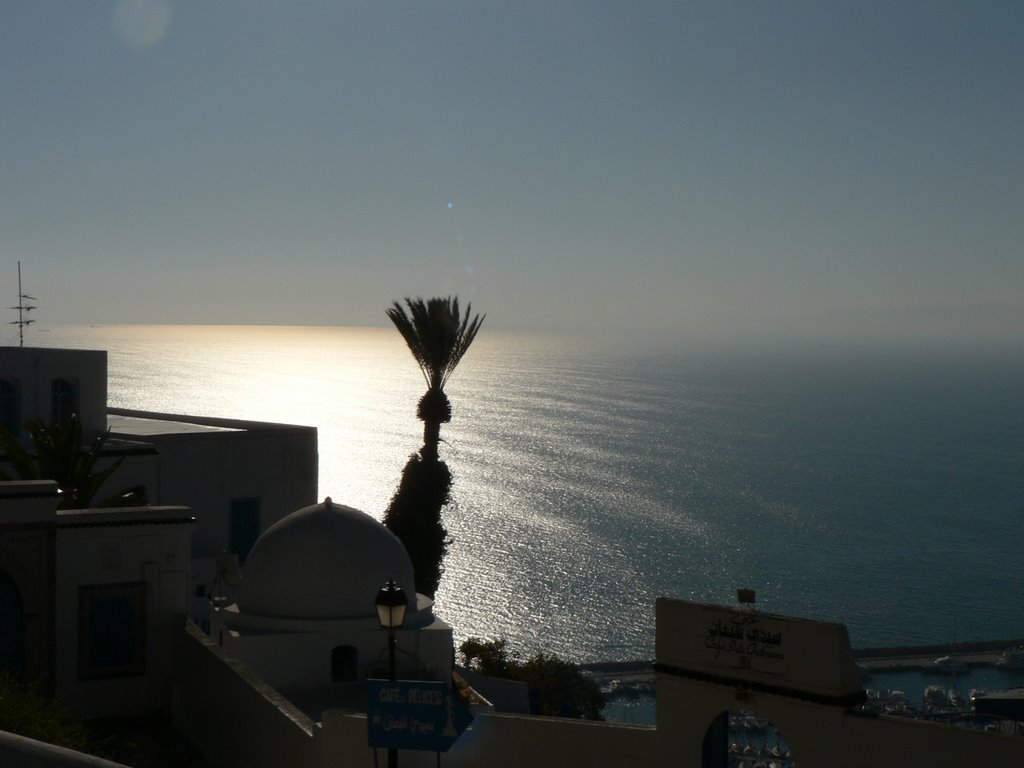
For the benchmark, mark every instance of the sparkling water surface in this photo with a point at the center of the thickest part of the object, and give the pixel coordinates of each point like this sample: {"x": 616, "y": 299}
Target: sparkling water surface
{"x": 883, "y": 490}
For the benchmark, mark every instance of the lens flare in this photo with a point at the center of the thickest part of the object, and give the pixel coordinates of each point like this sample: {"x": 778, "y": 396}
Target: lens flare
{"x": 141, "y": 23}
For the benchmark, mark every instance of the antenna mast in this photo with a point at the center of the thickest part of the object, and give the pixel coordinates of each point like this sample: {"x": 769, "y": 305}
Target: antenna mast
{"x": 23, "y": 310}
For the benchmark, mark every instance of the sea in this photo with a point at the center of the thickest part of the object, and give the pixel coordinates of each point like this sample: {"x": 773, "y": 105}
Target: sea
{"x": 880, "y": 488}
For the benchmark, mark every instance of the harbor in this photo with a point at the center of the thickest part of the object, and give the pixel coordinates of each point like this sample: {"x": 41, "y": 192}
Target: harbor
{"x": 934, "y": 681}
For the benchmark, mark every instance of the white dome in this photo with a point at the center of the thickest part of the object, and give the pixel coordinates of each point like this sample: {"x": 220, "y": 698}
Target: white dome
{"x": 323, "y": 562}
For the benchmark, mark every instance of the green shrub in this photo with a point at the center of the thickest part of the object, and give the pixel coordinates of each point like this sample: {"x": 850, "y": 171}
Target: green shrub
{"x": 23, "y": 710}
{"x": 556, "y": 687}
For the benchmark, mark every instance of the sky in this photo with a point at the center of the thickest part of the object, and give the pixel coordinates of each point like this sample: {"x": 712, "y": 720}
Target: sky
{"x": 827, "y": 171}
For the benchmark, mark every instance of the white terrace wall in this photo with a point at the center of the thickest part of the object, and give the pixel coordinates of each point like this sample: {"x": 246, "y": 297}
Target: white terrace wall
{"x": 504, "y": 741}
{"x": 235, "y": 719}
{"x": 501, "y": 741}
{"x": 897, "y": 743}
{"x": 230, "y": 715}
{"x": 799, "y": 675}
{"x": 822, "y": 735}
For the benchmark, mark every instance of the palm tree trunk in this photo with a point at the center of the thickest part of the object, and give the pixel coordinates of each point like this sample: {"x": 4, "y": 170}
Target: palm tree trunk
{"x": 431, "y": 440}
{"x": 434, "y": 410}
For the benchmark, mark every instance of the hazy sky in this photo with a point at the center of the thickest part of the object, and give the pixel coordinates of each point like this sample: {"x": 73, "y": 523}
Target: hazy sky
{"x": 829, "y": 170}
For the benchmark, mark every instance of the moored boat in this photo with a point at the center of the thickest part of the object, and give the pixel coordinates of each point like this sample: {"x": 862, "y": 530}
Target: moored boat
{"x": 949, "y": 665}
{"x": 1011, "y": 659}
{"x": 956, "y": 699}
{"x": 935, "y": 696}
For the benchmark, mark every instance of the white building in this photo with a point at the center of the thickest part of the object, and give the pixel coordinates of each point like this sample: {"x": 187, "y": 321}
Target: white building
{"x": 306, "y": 617}
{"x": 237, "y": 477}
{"x": 91, "y": 600}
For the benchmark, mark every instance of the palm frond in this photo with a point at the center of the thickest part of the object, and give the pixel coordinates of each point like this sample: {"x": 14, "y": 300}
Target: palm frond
{"x": 409, "y": 332}
{"x": 60, "y": 456}
{"x": 85, "y": 482}
{"x": 436, "y": 334}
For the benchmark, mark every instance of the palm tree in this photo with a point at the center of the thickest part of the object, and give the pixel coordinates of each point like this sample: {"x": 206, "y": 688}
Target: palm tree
{"x": 414, "y": 516}
{"x": 438, "y": 338}
{"x": 59, "y": 455}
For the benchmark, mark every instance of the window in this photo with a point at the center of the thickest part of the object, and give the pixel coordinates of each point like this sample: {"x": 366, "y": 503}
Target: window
{"x": 245, "y": 526}
{"x": 63, "y": 400}
{"x": 111, "y": 630}
{"x": 10, "y": 408}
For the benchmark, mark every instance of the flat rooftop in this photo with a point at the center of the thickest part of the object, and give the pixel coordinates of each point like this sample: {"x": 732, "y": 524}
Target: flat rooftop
{"x": 143, "y": 427}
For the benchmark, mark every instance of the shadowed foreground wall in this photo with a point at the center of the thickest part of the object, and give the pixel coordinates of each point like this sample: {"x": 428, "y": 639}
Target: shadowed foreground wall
{"x": 234, "y": 719}
{"x": 230, "y": 715}
{"x": 502, "y": 741}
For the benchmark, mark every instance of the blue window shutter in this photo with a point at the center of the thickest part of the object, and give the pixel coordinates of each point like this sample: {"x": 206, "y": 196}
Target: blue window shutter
{"x": 111, "y": 630}
{"x": 63, "y": 400}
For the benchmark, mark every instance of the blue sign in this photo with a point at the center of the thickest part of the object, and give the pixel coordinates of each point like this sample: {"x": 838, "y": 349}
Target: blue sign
{"x": 414, "y": 714}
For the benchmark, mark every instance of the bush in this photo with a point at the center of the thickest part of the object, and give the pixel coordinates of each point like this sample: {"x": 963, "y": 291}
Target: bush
{"x": 557, "y": 688}
{"x": 24, "y": 711}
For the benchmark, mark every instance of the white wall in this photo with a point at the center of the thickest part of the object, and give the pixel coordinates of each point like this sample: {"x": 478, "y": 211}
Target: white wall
{"x": 230, "y": 715}
{"x": 503, "y": 741}
{"x": 27, "y": 512}
{"x": 121, "y": 547}
{"x": 292, "y": 652}
{"x": 820, "y": 734}
{"x": 277, "y": 463}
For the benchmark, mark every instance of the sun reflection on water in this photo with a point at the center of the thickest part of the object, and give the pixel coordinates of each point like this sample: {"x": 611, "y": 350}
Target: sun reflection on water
{"x": 586, "y": 484}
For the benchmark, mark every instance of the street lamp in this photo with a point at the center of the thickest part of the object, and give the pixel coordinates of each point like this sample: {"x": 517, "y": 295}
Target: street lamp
{"x": 391, "y": 612}
{"x": 391, "y": 605}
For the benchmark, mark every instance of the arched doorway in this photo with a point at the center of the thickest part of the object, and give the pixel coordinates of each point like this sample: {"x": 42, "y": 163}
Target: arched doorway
{"x": 12, "y": 627}
{"x": 741, "y": 739}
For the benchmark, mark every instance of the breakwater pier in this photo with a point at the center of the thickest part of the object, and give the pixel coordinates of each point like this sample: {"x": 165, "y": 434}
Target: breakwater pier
{"x": 922, "y": 657}
{"x": 632, "y": 676}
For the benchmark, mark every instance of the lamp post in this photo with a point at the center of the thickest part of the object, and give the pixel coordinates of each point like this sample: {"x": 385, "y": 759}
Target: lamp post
{"x": 391, "y": 605}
